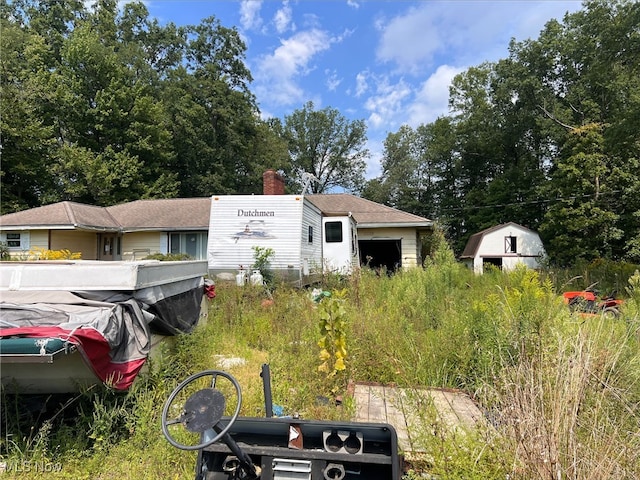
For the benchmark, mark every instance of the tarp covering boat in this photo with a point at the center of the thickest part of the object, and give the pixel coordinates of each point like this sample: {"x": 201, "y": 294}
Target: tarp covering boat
{"x": 113, "y": 338}
{"x": 97, "y": 327}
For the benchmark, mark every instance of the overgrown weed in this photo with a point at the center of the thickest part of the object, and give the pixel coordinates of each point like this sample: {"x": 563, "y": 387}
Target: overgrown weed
{"x": 562, "y": 391}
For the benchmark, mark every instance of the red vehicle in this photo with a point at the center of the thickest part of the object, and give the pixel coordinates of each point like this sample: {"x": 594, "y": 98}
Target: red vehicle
{"x": 589, "y": 302}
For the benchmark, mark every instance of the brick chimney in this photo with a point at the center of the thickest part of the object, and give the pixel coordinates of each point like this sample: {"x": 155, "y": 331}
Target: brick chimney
{"x": 272, "y": 183}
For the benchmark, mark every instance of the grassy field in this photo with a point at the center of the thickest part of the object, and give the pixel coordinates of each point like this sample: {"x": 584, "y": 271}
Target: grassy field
{"x": 561, "y": 392}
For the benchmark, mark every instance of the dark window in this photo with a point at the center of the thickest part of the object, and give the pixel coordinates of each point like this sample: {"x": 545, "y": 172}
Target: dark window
{"x": 310, "y": 234}
{"x": 13, "y": 240}
{"x": 193, "y": 244}
{"x": 510, "y": 245}
{"x": 333, "y": 232}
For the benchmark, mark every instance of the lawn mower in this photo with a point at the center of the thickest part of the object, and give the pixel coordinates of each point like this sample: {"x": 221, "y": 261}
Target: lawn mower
{"x": 202, "y": 414}
{"x": 589, "y": 302}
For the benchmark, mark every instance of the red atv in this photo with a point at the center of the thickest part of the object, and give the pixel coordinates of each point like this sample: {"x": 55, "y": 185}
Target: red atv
{"x": 589, "y": 302}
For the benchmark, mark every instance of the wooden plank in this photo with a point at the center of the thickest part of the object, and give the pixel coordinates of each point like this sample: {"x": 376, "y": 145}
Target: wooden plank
{"x": 377, "y": 405}
{"x": 404, "y": 409}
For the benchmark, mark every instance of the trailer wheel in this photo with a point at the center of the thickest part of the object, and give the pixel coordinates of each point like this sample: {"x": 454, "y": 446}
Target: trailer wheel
{"x": 202, "y": 410}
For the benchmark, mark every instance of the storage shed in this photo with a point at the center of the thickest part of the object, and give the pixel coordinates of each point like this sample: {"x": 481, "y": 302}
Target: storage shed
{"x": 503, "y": 246}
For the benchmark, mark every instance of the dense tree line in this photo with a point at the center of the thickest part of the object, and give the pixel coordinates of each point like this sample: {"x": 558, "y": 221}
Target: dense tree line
{"x": 104, "y": 105}
{"x": 548, "y": 137}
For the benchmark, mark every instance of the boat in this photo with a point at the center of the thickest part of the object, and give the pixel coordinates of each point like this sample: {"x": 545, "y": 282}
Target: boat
{"x": 68, "y": 325}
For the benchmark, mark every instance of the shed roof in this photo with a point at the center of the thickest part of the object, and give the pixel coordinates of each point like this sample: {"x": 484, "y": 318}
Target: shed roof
{"x": 473, "y": 244}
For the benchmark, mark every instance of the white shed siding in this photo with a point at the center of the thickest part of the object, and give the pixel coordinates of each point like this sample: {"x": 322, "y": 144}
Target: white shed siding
{"x": 529, "y": 248}
{"x": 408, "y": 239}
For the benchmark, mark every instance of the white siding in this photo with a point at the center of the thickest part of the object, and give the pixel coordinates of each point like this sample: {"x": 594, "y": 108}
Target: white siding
{"x": 280, "y": 222}
{"x": 529, "y": 248}
{"x": 311, "y": 252}
{"x": 340, "y": 257}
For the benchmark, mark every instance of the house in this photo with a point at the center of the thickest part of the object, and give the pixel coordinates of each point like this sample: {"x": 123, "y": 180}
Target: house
{"x": 130, "y": 231}
{"x": 504, "y": 246}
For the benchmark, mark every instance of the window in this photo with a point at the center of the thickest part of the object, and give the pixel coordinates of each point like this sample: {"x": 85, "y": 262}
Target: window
{"x": 333, "y": 232}
{"x": 13, "y": 240}
{"x": 193, "y": 244}
{"x": 310, "y": 238}
{"x": 510, "y": 245}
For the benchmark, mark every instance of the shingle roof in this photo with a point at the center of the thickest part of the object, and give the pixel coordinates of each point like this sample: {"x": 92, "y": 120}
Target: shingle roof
{"x": 192, "y": 214}
{"x": 61, "y": 215}
{"x": 366, "y": 212}
{"x": 471, "y": 248}
{"x": 163, "y": 214}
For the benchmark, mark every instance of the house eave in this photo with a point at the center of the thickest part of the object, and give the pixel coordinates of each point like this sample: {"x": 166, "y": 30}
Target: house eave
{"x": 89, "y": 228}
{"x": 422, "y": 225}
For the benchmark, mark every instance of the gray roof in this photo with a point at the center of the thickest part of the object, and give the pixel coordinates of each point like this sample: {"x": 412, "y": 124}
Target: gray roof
{"x": 473, "y": 244}
{"x": 191, "y": 214}
{"x": 365, "y": 212}
{"x": 62, "y": 215}
{"x": 163, "y": 214}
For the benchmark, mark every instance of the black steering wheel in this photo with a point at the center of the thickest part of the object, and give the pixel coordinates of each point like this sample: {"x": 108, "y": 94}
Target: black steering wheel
{"x": 202, "y": 411}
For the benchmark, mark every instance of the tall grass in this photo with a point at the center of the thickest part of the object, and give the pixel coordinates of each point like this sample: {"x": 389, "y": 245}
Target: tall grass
{"x": 561, "y": 391}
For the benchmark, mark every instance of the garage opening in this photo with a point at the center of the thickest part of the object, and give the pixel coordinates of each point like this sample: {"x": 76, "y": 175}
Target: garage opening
{"x": 381, "y": 254}
{"x": 496, "y": 262}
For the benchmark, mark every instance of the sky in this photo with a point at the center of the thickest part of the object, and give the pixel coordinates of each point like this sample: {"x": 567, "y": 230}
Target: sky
{"x": 388, "y": 63}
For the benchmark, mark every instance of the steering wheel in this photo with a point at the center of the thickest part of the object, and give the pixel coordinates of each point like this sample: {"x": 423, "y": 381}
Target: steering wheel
{"x": 202, "y": 411}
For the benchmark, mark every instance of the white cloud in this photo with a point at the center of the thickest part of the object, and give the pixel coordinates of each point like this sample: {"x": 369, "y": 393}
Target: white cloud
{"x": 467, "y": 32}
{"x": 410, "y": 39}
{"x": 361, "y": 83}
{"x": 283, "y": 18}
{"x": 432, "y": 99}
{"x": 278, "y": 72}
{"x": 386, "y": 103}
{"x": 250, "y": 14}
{"x": 332, "y": 81}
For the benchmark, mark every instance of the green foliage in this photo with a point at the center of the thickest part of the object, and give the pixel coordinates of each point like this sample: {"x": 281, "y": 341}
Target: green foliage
{"x": 327, "y": 145}
{"x": 546, "y": 137}
{"x": 606, "y": 276}
{"x": 333, "y": 334}
{"x": 4, "y": 251}
{"x": 110, "y": 106}
{"x": 262, "y": 261}
{"x": 555, "y": 386}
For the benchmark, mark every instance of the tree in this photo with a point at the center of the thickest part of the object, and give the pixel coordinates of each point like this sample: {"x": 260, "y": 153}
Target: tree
{"x": 546, "y": 137}
{"x": 581, "y": 223}
{"x": 326, "y": 145}
{"x": 26, "y": 138}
